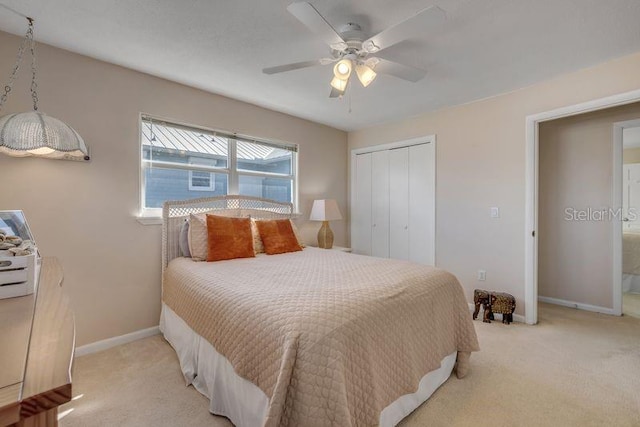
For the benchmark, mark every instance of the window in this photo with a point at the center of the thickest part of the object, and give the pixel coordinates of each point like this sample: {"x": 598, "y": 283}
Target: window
{"x": 200, "y": 180}
{"x": 183, "y": 162}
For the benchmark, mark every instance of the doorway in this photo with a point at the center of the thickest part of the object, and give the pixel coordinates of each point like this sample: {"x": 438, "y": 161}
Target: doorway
{"x": 628, "y": 134}
{"x": 533, "y": 123}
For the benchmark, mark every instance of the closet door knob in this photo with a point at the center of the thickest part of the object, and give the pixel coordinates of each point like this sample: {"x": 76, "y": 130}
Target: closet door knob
{"x": 406, "y": 227}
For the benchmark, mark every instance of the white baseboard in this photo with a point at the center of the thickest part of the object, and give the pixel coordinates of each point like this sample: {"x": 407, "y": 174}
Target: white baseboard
{"x": 115, "y": 341}
{"x": 498, "y": 316}
{"x": 578, "y": 305}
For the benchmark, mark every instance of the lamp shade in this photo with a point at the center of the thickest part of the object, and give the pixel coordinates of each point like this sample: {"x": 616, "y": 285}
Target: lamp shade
{"x": 325, "y": 210}
{"x": 365, "y": 74}
{"x": 342, "y": 69}
{"x": 338, "y": 84}
{"x": 36, "y": 134}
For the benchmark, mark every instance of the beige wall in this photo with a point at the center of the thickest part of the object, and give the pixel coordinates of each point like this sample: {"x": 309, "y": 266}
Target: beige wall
{"x": 481, "y": 163}
{"x": 575, "y": 258}
{"x": 83, "y": 213}
{"x": 631, "y": 155}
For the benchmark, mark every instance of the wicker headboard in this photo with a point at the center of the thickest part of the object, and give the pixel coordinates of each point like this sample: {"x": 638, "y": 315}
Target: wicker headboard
{"x": 174, "y": 214}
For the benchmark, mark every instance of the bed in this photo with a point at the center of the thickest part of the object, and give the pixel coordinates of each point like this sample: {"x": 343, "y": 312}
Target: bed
{"x": 631, "y": 261}
{"x": 309, "y": 338}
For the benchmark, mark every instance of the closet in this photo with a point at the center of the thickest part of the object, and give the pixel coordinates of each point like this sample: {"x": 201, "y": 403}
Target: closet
{"x": 393, "y": 201}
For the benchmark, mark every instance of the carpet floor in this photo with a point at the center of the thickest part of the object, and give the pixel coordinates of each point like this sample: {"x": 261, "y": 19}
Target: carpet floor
{"x": 574, "y": 368}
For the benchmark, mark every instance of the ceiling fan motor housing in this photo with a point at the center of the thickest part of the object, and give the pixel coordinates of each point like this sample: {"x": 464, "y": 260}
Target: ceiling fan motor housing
{"x": 352, "y": 33}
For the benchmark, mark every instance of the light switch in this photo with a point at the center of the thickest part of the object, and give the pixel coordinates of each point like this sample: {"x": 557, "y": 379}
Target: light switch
{"x": 495, "y": 212}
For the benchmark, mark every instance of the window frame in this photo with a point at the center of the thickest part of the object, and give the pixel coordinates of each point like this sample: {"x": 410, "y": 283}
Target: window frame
{"x": 232, "y": 172}
{"x": 212, "y": 179}
{"x": 210, "y": 187}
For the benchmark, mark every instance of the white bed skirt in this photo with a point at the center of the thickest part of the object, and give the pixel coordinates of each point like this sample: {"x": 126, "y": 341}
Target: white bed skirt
{"x": 631, "y": 283}
{"x": 243, "y": 402}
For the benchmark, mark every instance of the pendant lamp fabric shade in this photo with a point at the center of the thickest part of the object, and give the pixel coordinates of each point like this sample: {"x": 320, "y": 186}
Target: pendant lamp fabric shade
{"x": 36, "y": 134}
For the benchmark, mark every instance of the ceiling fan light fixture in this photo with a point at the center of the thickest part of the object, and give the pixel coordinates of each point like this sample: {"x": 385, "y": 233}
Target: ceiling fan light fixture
{"x": 350, "y": 50}
{"x": 339, "y": 84}
{"x": 365, "y": 74}
{"x": 342, "y": 69}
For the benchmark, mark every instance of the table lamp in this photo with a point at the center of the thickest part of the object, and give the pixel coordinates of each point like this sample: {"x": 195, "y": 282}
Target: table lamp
{"x": 325, "y": 210}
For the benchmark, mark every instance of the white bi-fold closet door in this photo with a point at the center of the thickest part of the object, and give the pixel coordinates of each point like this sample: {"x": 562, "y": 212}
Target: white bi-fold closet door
{"x": 393, "y": 201}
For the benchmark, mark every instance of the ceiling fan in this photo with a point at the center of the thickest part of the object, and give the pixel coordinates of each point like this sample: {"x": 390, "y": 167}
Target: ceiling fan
{"x": 350, "y": 49}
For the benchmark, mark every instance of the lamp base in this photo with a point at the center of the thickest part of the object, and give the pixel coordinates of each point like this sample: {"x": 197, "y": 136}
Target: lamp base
{"x": 325, "y": 236}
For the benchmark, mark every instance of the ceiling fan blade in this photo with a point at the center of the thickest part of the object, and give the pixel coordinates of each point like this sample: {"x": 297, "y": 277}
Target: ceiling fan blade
{"x": 406, "y": 29}
{"x": 309, "y": 16}
{"x": 401, "y": 71}
{"x": 335, "y": 93}
{"x": 294, "y": 66}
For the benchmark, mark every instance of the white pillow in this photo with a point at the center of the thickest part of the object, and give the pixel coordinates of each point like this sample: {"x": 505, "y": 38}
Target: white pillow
{"x": 184, "y": 240}
{"x": 198, "y": 238}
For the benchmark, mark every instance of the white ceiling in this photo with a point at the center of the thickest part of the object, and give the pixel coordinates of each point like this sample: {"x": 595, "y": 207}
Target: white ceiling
{"x": 485, "y": 47}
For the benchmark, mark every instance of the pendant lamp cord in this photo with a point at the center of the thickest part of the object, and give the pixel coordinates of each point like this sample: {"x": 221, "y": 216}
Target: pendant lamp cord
{"x": 32, "y": 48}
{"x": 28, "y": 40}
{"x": 13, "y": 10}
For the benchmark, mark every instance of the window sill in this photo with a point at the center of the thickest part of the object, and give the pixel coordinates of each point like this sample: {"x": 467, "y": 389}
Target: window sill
{"x": 149, "y": 220}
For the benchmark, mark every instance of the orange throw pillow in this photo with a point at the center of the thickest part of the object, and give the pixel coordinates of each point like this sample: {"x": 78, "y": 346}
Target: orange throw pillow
{"x": 229, "y": 238}
{"x": 278, "y": 237}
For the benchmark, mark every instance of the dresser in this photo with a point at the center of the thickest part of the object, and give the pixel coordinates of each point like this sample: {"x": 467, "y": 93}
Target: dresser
{"x": 37, "y": 339}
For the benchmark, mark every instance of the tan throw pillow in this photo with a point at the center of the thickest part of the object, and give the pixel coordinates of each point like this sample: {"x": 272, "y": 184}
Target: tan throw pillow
{"x": 229, "y": 238}
{"x": 277, "y": 237}
{"x": 198, "y": 238}
{"x": 295, "y": 231}
{"x": 258, "y": 247}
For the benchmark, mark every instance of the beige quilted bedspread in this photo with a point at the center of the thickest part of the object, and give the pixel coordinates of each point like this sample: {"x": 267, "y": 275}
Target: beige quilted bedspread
{"x": 331, "y": 338}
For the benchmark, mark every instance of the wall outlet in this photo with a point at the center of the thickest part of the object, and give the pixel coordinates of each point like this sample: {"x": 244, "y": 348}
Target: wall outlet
{"x": 495, "y": 212}
{"x": 482, "y": 275}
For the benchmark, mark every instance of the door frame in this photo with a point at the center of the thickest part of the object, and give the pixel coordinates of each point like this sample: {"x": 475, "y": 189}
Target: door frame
{"x": 618, "y": 142}
{"x": 531, "y": 202}
{"x": 427, "y": 139}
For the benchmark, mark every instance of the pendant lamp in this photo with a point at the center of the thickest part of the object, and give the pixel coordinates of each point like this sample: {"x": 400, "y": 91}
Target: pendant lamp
{"x": 34, "y": 133}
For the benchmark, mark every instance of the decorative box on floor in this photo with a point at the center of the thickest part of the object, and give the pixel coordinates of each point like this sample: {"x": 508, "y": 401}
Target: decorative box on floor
{"x": 19, "y": 258}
